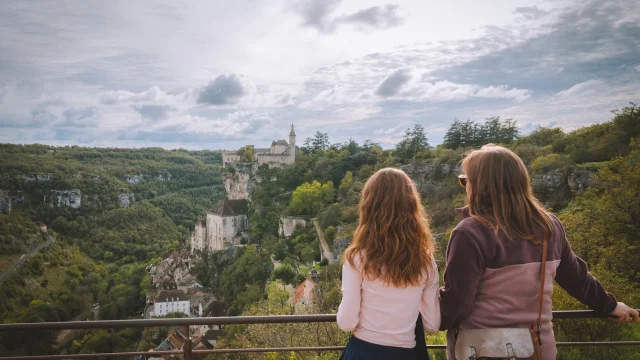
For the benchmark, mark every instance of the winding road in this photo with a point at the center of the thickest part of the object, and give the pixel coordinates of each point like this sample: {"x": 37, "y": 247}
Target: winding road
{"x": 24, "y": 258}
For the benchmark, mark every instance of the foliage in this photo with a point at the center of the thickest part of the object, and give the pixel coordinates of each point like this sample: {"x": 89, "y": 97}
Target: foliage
{"x": 18, "y": 233}
{"x": 285, "y": 273}
{"x": 320, "y": 141}
{"x": 247, "y": 153}
{"x": 413, "y": 143}
{"x": 471, "y": 134}
{"x": 545, "y": 164}
{"x": 309, "y": 198}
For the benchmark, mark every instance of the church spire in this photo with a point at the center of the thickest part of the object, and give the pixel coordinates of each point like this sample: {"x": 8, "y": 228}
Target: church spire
{"x": 292, "y": 133}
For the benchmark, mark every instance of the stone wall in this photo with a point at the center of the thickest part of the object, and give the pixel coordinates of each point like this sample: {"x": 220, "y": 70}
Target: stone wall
{"x": 224, "y": 231}
{"x": 289, "y": 224}
{"x": 580, "y": 179}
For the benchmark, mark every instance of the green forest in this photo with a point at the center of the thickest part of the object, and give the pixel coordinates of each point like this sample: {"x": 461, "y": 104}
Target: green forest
{"x": 589, "y": 177}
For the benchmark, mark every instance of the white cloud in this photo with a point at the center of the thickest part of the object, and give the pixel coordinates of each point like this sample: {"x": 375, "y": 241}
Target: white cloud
{"x": 589, "y": 86}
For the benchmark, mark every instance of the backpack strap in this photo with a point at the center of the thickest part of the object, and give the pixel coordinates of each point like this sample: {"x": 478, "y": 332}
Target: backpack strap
{"x": 543, "y": 267}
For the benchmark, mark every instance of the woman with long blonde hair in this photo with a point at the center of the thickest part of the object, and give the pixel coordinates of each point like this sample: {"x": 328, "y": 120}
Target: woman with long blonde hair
{"x": 389, "y": 275}
{"x": 498, "y": 275}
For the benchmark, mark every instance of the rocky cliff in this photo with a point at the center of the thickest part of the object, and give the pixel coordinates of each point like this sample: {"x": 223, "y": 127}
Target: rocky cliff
{"x": 70, "y": 198}
{"x": 239, "y": 180}
{"x": 289, "y": 224}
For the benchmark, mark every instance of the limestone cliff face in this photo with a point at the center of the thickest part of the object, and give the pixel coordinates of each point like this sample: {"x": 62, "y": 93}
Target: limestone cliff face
{"x": 5, "y": 203}
{"x": 580, "y": 179}
{"x": 289, "y": 224}
{"x": 428, "y": 176}
{"x": 58, "y": 198}
{"x": 239, "y": 181}
{"x": 126, "y": 199}
{"x": 576, "y": 180}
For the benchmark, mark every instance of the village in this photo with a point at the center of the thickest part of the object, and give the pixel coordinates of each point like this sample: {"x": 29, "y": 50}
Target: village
{"x": 178, "y": 293}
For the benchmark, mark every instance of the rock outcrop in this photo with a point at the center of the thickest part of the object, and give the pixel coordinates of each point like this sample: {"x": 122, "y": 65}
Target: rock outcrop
{"x": 5, "y": 203}
{"x": 126, "y": 199}
{"x": 239, "y": 180}
{"x": 428, "y": 177}
{"x": 70, "y": 198}
{"x": 580, "y": 179}
{"x": 289, "y": 224}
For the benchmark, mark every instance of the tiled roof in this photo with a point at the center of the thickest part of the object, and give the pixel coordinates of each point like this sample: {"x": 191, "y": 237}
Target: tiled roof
{"x": 176, "y": 295}
{"x": 230, "y": 207}
{"x": 281, "y": 142}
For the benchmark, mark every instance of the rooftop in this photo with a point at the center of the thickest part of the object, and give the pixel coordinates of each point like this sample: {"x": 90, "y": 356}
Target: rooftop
{"x": 177, "y": 295}
{"x": 230, "y": 207}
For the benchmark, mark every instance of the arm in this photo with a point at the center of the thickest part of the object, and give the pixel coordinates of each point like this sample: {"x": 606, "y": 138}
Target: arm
{"x": 430, "y": 304}
{"x": 349, "y": 310}
{"x": 465, "y": 266}
{"x": 573, "y": 276}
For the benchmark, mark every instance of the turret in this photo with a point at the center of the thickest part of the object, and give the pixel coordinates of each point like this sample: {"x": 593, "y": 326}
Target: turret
{"x": 292, "y": 143}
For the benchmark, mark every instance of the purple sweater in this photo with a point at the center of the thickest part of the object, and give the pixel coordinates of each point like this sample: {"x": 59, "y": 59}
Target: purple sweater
{"x": 491, "y": 282}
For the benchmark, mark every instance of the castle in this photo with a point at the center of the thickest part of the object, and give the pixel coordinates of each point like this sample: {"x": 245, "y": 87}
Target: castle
{"x": 222, "y": 226}
{"x": 279, "y": 154}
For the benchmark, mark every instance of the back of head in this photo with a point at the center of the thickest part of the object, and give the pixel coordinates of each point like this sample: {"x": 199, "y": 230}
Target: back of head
{"x": 499, "y": 194}
{"x": 393, "y": 239}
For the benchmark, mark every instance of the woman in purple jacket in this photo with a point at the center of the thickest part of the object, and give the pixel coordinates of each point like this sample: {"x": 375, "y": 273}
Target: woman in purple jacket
{"x": 492, "y": 278}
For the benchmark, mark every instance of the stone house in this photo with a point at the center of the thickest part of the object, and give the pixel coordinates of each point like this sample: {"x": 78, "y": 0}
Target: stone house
{"x": 171, "y": 301}
{"x": 222, "y": 226}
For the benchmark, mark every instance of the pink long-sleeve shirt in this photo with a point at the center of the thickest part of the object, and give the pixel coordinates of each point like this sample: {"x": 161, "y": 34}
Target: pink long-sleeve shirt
{"x": 383, "y": 314}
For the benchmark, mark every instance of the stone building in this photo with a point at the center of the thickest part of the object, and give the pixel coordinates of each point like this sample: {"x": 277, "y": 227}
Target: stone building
{"x": 222, "y": 226}
{"x": 280, "y": 153}
{"x": 171, "y": 301}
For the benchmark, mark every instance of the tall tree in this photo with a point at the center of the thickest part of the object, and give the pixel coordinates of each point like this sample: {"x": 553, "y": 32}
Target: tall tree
{"x": 414, "y": 141}
{"x": 320, "y": 141}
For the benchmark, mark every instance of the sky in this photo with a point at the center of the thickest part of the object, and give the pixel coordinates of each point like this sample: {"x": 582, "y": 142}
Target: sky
{"x": 213, "y": 74}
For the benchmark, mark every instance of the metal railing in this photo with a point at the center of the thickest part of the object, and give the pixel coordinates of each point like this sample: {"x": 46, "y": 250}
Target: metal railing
{"x": 190, "y": 354}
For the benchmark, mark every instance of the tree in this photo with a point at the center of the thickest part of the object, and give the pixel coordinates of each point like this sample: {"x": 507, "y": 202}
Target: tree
{"x": 247, "y": 153}
{"x": 320, "y": 141}
{"x": 452, "y": 139}
{"x": 414, "y": 141}
{"x": 309, "y": 198}
{"x": 285, "y": 273}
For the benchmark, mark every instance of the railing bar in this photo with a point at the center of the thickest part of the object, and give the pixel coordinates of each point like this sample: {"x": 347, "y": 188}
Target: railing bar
{"x": 224, "y": 320}
{"x": 90, "y": 356}
{"x": 279, "y": 349}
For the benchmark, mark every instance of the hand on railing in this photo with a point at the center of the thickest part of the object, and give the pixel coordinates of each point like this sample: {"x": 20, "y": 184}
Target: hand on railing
{"x": 623, "y": 313}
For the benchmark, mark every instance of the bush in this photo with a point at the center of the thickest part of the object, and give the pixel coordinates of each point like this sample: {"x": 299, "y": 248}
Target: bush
{"x": 284, "y": 273}
{"x": 544, "y": 164}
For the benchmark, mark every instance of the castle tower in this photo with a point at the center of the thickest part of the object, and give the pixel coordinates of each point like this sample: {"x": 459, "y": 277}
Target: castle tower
{"x": 292, "y": 144}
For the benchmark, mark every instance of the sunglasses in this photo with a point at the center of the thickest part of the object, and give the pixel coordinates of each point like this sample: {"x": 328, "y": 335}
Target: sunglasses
{"x": 462, "y": 180}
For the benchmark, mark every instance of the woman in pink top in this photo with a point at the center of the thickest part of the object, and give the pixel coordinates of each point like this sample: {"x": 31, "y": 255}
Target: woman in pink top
{"x": 389, "y": 275}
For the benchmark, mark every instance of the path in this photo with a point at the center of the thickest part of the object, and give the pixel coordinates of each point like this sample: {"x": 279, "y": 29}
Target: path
{"x": 326, "y": 251}
{"x": 24, "y": 258}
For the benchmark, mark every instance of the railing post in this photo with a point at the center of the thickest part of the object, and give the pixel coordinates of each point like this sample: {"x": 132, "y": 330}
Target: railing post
{"x": 186, "y": 348}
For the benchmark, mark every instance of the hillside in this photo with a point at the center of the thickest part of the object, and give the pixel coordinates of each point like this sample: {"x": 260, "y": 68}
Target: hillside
{"x": 113, "y": 212}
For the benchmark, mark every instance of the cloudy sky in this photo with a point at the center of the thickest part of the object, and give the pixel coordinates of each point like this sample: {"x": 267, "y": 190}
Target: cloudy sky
{"x": 217, "y": 74}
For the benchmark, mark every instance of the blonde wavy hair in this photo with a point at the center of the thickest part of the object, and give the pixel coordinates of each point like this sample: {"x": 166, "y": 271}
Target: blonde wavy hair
{"x": 499, "y": 195}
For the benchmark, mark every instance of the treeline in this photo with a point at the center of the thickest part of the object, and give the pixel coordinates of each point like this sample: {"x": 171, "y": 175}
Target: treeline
{"x": 471, "y": 134}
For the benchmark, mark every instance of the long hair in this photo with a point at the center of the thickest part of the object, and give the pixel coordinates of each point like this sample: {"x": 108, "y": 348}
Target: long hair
{"x": 393, "y": 240}
{"x": 499, "y": 195}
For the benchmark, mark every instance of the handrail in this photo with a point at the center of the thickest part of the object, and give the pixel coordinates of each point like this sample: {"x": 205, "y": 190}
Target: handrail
{"x": 237, "y": 320}
{"x": 226, "y": 320}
